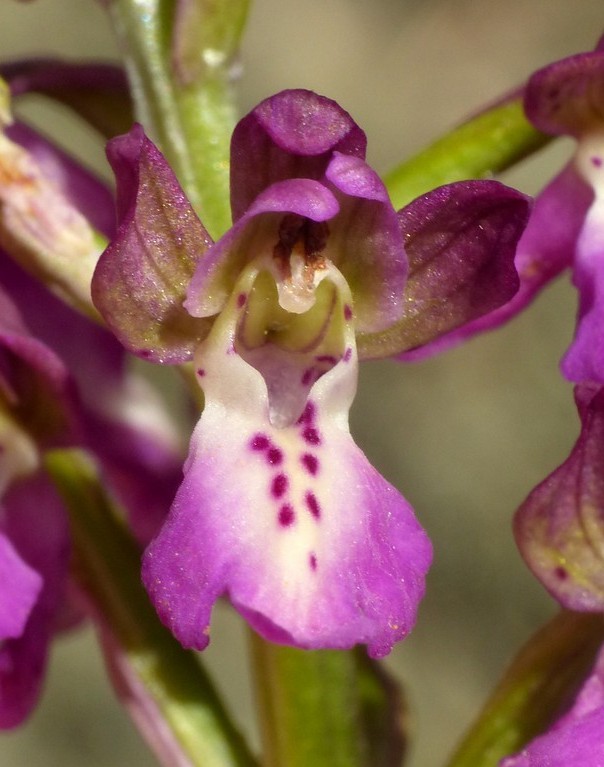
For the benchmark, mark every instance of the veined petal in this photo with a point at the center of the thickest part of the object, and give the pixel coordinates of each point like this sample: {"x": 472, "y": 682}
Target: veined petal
{"x": 290, "y": 135}
{"x": 140, "y": 280}
{"x": 460, "y": 240}
{"x": 311, "y": 545}
{"x": 559, "y": 527}
{"x": 545, "y": 248}
{"x": 367, "y": 243}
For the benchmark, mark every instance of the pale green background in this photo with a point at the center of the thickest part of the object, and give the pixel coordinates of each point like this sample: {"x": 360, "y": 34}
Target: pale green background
{"x": 465, "y": 436}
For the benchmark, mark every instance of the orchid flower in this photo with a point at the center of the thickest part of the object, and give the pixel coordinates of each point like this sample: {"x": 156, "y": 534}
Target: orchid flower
{"x": 558, "y": 527}
{"x": 279, "y": 509}
{"x": 63, "y": 382}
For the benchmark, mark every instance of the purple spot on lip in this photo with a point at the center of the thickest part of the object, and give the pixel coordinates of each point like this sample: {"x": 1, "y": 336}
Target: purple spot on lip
{"x": 311, "y": 435}
{"x": 260, "y": 442}
{"x": 286, "y": 515}
{"x": 347, "y": 312}
{"x": 561, "y": 573}
{"x": 308, "y": 413}
{"x": 347, "y": 355}
{"x": 201, "y": 372}
{"x": 312, "y": 561}
{"x": 313, "y": 504}
{"x": 310, "y": 463}
{"x": 327, "y": 358}
{"x": 597, "y": 161}
{"x": 274, "y": 456}
{"x": 241, "y": 299}
{"x": 307, "y": 376}
{"x": 279, "y": 486}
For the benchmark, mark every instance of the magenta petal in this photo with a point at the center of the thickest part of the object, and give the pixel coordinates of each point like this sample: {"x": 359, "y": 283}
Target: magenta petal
{"x": 584, "y": 360}
{"x": 366, "y": 243}
{"x": 460, "y": 240}
{"x": 544, "y": 250}
{"x": 140, "y": 281}
{"x": 566, "y": 97}
{"x": 37, "y": 526}
{"x": 290, "y": 135}
{"x": 19, "y": 590}
{"x": 559, "y": 527}
{"x": 292, "y": 523}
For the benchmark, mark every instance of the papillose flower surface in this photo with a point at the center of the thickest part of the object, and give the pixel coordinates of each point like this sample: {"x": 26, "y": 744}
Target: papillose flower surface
{"x": 279, "y": 509}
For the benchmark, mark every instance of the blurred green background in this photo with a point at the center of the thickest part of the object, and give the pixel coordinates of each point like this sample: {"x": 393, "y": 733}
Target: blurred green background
{"x": 464, "y": 436}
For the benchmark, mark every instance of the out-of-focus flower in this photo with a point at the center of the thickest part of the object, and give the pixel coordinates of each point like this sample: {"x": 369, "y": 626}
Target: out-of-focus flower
{"x": 63, "y": 381}
{"x": 279, "y": 508}
{"x": 576, "y": 739}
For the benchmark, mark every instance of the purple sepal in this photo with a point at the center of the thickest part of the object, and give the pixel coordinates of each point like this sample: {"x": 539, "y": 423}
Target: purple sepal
{"x": 35, "y": 523}
{"x": 566, "y": 97}
{"x": 290, "y": 135}
{"x": 140, "y": 280}
{"x": 97, "y": 91}
{"x": 577, "y": 738}
{"x": 559, "y": 527}
{"x": 545, "y": 248}
{"x": 460, "y": 240}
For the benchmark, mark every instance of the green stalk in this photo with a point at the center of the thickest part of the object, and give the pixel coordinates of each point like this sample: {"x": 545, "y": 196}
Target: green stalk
{"x": 172, "y": 681}
{"x": 325, "y": 708}
{"x": 483, "y": 146}
{"x": 187, "y": 108}
{"x": 539, "y": 684}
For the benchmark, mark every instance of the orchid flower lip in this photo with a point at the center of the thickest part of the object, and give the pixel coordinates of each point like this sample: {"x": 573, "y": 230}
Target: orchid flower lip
{"x": 307, "y": 554}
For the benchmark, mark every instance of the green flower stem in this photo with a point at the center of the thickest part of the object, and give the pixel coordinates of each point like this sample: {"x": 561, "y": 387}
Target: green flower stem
{"x": 107, "y": 567}
{"x": 483, "y": 146}
{"x": 325, "y": 708}
{"x": 541, "y": 680}
{"x": 192, "y": 118}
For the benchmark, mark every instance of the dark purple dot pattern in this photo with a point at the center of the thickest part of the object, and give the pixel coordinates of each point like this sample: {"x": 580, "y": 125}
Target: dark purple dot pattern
{"x": 286, "y": 515}
{"x": 312, "y": 561}
{"x": 310, "y": 463}
{"x": 347, "y": 354}
{"x": 347, "y": 313}
{"x": 201, "y": 372}
{"x": 241, "y": 299}
{"x": 313, "y": 505}
{"x": 596, "y": 161}
{"x": 279, "y": 484}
